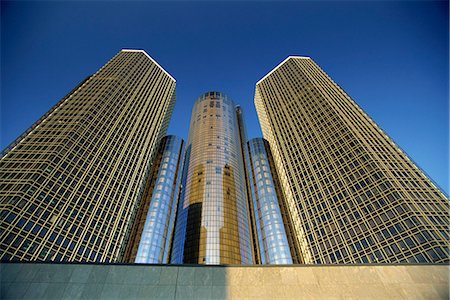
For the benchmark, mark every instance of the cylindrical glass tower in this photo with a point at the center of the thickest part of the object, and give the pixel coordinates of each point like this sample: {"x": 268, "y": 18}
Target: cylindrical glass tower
{"x": 152, "y": 236}
{"x": 270, "y": 215}
{"x": 213, "y": 217}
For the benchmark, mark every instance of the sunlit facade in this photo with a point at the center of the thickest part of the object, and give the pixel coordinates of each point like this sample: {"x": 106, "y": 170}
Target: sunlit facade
{"x": 152, "y": 235}
{"x": 71, "y": 185}
{"x": 353, "y": 195}
{"x": 272, "y": 222}
{"x": 87, "y": 182}
{"x": 213, "y": 224}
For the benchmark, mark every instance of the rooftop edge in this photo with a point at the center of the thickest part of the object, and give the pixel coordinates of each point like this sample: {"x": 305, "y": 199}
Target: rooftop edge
{"x": 143, "y": 51}
{"x": 280, "y": 64}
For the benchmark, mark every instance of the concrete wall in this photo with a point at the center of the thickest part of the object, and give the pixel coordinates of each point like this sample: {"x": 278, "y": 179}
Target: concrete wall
{"x": 89, "y": 281}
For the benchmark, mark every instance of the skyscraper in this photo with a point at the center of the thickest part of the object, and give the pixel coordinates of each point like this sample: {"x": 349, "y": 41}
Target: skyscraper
{"x": 353, "y": 194}
{"x": 71, "y": 185}
{"x": 212, "y": 224}
{"x": 152, "y": 235}
{"x": 273, "y": 230}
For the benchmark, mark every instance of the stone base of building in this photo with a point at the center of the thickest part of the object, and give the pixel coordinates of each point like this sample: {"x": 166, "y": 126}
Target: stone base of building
{"x": 114, "y": 281}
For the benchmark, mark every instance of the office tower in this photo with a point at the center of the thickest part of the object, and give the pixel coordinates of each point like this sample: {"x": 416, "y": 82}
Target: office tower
{"x": 272, "y": 222}
{"x": 243, "y": 140}
{"x": 353, "y": 194}
{"x": 71, "y": 186}
{"x": 212, "y": 225}
{"x": 152, "y": 236}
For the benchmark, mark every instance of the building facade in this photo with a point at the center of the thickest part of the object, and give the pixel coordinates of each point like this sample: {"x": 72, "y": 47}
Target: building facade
{"x": 272, "y": 221}
{"x": 152, "y": 236}
{"x": 245, "y": 155}
{"x": 212, "y": 224}
{"x": 94, "y": 180}
{"x": 354, "y": 196}
{"x": 71, "y": 185}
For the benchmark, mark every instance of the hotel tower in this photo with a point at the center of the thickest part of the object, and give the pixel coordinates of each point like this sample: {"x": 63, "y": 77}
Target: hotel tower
{"x": 213, "y": 225}
{"x": 72, "y": 183}
{"x": 353, "y": 195}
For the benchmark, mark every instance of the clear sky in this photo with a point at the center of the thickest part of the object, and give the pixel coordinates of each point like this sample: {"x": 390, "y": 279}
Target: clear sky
{"x": 391, "y": 57}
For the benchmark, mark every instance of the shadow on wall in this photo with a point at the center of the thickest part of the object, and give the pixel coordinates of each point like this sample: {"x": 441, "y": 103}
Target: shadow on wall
{"x": 94, "y": 281}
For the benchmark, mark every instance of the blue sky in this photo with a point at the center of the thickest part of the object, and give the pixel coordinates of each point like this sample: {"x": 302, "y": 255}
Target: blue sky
{"x": 391, "y": 57}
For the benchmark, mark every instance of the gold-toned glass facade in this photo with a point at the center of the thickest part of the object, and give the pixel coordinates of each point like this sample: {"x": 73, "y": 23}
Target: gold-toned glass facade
{"x": 212, "y": 225}
{"x": 152, "y": 235}
{"x": 353, "y": 194}
{"x": 70, "y": 187}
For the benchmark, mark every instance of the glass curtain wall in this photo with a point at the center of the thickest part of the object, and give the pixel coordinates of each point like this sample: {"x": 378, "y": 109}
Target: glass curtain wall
{"x": 72, "y": 184}
{"x": 153, "y": 230}
{"x": 354, "y": 195}
{"x": 213, "y": 217}
{"x": 271, "y": 234}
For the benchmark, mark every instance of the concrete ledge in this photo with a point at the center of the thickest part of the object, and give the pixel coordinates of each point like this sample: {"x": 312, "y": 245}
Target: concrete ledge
{"x": 110, "y": 281}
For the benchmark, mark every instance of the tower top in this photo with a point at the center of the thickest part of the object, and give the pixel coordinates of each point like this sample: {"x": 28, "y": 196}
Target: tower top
{"x": 280, "y": 64}
{"x": 143, "y": 51}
